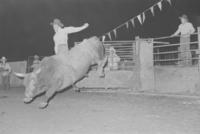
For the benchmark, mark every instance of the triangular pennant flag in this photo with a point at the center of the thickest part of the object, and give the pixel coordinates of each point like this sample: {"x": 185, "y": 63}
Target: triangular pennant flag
{"x": 115, "y": 32}
{"x": 152, "y": 10}
{"x": 133, "y": 23}
{"x": 109, "y": 35}
{"x": 143, "y": 16}
{"x": 103, "y": 38}
{"x": 170, "y": 2}
{"x": 160, "y": 5}
{"x": 127, "y": 25}
{"x": 139, "y": 18}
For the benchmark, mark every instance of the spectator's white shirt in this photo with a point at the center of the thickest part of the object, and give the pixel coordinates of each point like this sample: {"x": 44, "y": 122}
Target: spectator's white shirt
{"x": 6, "y": 69}
{"x": 186, "y": 29}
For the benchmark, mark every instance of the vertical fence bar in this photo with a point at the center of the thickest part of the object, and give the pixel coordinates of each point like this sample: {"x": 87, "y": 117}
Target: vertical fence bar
{"x": 137, "y": 60}
{"x": 28, "y": 65}
{"x": 198, "y": 30}
{"x": 198, "y": 52}
{"x": 154, "y": 67}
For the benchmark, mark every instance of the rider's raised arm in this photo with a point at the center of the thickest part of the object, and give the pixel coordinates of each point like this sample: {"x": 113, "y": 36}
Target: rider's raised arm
{"x": 75, "y": 29}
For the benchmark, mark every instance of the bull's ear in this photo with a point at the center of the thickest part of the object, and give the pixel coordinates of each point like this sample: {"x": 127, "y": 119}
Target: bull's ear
{"x": 20, "y": 75}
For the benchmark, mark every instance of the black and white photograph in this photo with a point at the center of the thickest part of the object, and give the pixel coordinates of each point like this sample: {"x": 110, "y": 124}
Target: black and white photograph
{"x": 99, "y": 67}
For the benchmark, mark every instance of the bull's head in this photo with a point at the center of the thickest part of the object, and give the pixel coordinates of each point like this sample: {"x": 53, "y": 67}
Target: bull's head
{"x": 30, "y": 83}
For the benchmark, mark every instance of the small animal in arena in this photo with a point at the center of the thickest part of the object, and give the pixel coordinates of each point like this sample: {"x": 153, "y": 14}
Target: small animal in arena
{"x": 58, "y": 72}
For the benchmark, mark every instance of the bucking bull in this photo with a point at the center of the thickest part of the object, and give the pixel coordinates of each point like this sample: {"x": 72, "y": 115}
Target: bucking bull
{"x": 58, "y": 72}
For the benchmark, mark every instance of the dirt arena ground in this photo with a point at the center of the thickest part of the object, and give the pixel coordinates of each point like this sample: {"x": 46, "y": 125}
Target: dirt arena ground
{"x": 99, "y": 113}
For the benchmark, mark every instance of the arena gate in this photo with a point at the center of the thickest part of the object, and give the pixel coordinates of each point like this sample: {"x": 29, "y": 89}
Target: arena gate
{"x": 171, "y": 76}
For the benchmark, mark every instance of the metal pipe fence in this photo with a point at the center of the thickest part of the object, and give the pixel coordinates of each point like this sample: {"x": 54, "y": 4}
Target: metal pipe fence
{"x": 125, "y": 50}
{"x": 167, "y": 49}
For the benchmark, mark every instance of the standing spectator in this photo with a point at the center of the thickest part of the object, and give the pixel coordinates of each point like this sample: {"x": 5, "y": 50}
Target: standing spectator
{"x": 5, "y": 73}
{"x": 36, "y": 62}
{"x": 185, "y": 29}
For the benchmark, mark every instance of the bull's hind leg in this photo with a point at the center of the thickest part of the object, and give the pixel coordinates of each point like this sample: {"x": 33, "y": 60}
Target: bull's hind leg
{"x": 50, "y": 93}
{"x": 101, "y": 65}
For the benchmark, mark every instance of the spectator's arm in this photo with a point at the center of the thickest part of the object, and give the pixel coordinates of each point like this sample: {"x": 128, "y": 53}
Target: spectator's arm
{"x": 177, "y": 32}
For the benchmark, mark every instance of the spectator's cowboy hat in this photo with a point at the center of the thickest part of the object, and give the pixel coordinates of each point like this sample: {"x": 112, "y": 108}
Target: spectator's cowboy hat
{"x": 57, "y": 22}
{"x": 184, "y": 16}
{"x": 3, "y": 59}
{"x": 36, "y": 57}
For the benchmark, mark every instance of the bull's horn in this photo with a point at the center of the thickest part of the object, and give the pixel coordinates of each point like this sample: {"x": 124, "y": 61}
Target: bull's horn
{"x": 20, "y": 75}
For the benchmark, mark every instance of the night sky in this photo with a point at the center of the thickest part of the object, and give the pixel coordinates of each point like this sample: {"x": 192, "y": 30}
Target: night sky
{"x": 25, "y": 29}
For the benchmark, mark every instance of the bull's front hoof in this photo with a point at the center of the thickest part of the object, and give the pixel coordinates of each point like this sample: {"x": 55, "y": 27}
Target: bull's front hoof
{"x": 43, "y": 105}
{"x": 28, "y": 100}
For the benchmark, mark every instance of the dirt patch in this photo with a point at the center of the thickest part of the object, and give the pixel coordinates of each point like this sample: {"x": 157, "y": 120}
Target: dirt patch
{"x": 3, "y": 97}
{"x": 99, "y": 113}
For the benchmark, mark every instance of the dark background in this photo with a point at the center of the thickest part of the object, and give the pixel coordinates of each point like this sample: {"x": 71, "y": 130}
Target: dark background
{"x": 25, "y": 29}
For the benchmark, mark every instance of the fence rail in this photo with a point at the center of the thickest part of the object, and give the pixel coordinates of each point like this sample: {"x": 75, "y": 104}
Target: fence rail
{"x": 168, "y": 37}
{"x": 167, "y": 49}
{"x": 126, "y": 50}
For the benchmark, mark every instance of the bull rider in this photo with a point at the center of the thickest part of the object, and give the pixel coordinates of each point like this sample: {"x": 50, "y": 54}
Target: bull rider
{"x": 61, "y": 35}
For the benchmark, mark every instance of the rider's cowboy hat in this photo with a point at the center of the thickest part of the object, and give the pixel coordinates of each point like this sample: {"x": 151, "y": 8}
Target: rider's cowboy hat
{"x": 58, "y": 22}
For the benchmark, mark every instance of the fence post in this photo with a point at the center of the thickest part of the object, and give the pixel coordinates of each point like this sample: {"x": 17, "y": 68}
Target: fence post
{"x": 198, "y": 52}
{"x": 146, "y": 65}
{"x": 137, "y": 60}
{"x": 198, "y": 30}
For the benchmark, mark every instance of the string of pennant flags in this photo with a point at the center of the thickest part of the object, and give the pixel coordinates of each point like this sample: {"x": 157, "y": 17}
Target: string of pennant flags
{"x": 140, "y": 17}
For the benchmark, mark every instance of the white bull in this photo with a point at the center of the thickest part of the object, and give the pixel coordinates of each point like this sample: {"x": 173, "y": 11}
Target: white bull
{"x": 58, "y": 72}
